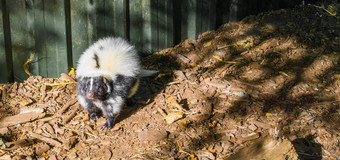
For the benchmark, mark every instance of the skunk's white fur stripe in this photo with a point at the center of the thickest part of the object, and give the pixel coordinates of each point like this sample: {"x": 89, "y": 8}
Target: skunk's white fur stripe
{"x": 91, "y": 84}
{"x": 115, "y": 56}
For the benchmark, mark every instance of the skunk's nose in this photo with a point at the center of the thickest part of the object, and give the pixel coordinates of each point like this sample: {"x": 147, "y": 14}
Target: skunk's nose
{"x": 90, "y": 95}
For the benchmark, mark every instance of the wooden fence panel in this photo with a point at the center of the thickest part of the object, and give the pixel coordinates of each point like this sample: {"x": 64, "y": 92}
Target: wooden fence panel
{"x": 57, "y": 32}
{"x": 82, "y": 26}
{"x": 114, "y": 18}
{"x": 165, "y": 25}
{"x": 140, "y": 24}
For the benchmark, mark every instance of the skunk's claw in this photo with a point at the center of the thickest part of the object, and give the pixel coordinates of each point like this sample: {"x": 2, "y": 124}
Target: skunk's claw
{"x": 110, "y": 122}
{"x": 93, "y": 116}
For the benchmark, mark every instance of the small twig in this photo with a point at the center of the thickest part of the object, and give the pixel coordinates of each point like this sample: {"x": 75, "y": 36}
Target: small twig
{"x": 161, "y": 112}
{"x": 58, "y": 84}
{"x": 309, "y": 155}
{"x": 283, "y": 73}
{"x": 183, "y": 58}
{"x": 162, "y": 75}
{"x": 2, "y": 152}
{"x": 67, "y": 105}
{"x": 229, "y": 62}
{"x": 47, "y": 119}
{"x": 69, "y": 117}
{"x": 172, "y": 101}
{"x": 226, "y": 46}
{"x": 329, "y": 12}
{"x": 46, "y": 139}
{"x": 78, "y": 131}
{"x": 26, "y": 68}
{"x": 225, "y": 156}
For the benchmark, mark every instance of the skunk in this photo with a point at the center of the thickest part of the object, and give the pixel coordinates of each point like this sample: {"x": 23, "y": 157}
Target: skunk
{"x": 108, "y": 73}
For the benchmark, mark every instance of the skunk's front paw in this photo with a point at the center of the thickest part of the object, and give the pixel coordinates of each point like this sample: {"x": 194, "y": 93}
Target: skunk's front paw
{"x": 93, "y": 116}
{"x": 110, "y": 122}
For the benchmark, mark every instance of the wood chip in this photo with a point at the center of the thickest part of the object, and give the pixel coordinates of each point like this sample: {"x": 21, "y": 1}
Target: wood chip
{"x": 20, "y": 118}
{"x": 266, "y": 148}
{"x": 3, "y": 94}
{"x": 65, "y": 77}
{"x": 173, "y": 103}
{"x": 205, "y": 155}
{"x": 248, "y": 138}
{"x": 261, "y": 125}
{"x": 183, "y": 58}
{"x": 71, "y": 114}
{"x": 161, "y": 111}
{"x": 19, "y": 143}
{"x": 72, "y": 101}
{"x": 46, "y": 139}
{"x": 70, "y": 142}
{"x": 4, "y": 131}
{"x": 173, "y": 116}
{"x": 217, "y": 84}
{"x": 49, "y": 128}
{"x": 42, "y": 149}
{"x": 152, "y": 135}
{"x": 5, "y": 157}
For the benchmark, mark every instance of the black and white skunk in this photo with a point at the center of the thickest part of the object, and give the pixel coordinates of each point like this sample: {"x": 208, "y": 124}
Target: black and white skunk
{"x": 108, "y": 72}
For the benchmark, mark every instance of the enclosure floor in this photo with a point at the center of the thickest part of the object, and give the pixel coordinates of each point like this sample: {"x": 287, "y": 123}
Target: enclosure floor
{"x": 273, "y": 75}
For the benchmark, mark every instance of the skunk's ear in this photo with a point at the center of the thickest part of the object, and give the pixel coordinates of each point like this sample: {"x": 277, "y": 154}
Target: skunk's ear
{"x": 106, "y": 78}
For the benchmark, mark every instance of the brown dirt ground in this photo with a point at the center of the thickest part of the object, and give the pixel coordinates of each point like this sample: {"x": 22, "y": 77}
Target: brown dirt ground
{"x": 273, "y": 74}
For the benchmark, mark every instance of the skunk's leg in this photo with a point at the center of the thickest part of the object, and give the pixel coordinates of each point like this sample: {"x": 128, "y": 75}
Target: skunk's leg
{"x": 112, "y": 110}
{"x": 94, "y": 112}
{"x": 110, "y": 122}
{"x": 111, "y": 117}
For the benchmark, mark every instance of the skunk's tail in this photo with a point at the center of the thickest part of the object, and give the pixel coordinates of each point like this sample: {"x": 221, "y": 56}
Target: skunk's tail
{"x": 147, "y": 73}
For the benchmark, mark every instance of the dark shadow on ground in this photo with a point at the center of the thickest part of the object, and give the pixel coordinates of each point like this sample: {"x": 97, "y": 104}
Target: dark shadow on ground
{"x": 307, "y": 148}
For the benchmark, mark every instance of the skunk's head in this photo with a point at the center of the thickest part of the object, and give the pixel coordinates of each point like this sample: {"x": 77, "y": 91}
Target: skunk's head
{"x": 96, "y": 87}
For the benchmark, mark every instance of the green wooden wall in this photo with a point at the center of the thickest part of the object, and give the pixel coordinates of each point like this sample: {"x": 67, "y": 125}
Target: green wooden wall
{"x": 58, "y": 31}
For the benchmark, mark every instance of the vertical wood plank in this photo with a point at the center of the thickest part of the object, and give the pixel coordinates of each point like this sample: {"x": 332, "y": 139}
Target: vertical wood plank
{"x": 165, "y": 24}
{"x": 177, "y": 20}
{"x": 197, "y": 16}
{"x": 114, "y": 18}
{"x": 3, "y": 62}
{"x": 140, "y": 25}
{"x": 222, "y": 12}
{"x": 207, "y": 15}
{"x": 55, "y": 35}
{"x": 233, "y": 9}
{"x": 147, "y": 26}
{"x": 20, "y": 36}
{"x": 82, "y": 27}
{"x": 68, "y": 33}
{"x": 154, "y": 25}
{"x": 98, "y": 19}
{"x": 40, "y": 66}
{"x": 188, "y": 18}
{"x": 136, "y": 23}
